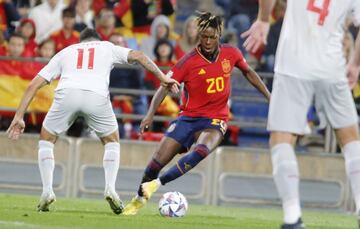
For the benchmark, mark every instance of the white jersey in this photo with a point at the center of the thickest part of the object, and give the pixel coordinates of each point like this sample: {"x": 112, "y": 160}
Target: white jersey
{"x": 310, "y": 44}
{"x": 85, "y": 66}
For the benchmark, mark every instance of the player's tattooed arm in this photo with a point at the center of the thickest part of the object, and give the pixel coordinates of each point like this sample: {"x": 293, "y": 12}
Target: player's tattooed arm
{"x": 256, "y": 81}
{"x": 155, "y": 103}
{"x": 148, "y": 64}
{"x": 17, "y": 125}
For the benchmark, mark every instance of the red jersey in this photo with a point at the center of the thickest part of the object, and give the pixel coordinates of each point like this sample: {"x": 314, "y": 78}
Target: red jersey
{"x": 207, "y": 84}
{"x": 62, "y": 42}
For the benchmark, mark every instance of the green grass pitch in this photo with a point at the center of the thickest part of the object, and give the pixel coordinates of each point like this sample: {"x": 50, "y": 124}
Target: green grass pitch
{"x": 18, "y": 211}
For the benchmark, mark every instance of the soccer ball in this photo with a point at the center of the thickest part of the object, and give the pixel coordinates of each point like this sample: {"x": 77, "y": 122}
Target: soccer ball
{"x": 173, "y": 204}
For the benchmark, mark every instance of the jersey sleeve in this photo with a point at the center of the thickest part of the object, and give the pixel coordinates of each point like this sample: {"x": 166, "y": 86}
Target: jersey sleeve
{"x": 178, "y": 72}
{"x": 356, "y": 12}
{"x": 240, "y": 61}
{"x": 120, "y": 54}
{"x": 52, "y": 69}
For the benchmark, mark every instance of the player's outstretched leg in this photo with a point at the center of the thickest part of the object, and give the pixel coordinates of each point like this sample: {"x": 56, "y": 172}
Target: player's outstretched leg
{"x": 151, "y": 172}
{"x": 185, "y": 164}
{"x": 111, "y": 162}
{"x": 46, "y": 166}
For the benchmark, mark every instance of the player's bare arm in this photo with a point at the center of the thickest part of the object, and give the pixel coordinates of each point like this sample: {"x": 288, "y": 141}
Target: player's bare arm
{"x": 258, "y": 32}
{"x": 353, "y": 68}
{"x": 155, "y": 103}
{"x": 256, "y": 81}
{"x": 148, "y": 64}
{"x": 17, "y": 125}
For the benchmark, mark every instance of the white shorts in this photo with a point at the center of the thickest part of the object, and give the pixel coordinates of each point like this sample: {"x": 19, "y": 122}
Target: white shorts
{"x": 69, "y": 104}
{"x": 291, "y": 99}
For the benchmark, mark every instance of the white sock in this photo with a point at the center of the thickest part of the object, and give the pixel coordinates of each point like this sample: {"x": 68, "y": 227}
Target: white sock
{"x": 286, "y": 177}
{"x": 111, "y": 163}
{"x": 352, "y": 164}
{"x": 46, "y": 164}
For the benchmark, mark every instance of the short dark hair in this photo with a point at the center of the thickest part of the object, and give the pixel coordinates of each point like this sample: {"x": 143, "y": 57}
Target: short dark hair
{"x": 69, "y": 12}
{"x": 88, "y": 33}
{"x": 163, "y": 42}
{"x": 17, "y": 34}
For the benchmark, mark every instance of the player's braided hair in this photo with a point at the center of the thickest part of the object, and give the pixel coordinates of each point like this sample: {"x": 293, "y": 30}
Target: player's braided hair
{"x": 206, "y": 19}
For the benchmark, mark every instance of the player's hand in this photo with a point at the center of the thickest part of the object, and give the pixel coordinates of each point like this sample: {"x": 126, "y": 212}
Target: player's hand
{"x": 256, "y": 36}
{"x": 16, "y": 128}
{"x": 352, "y": 75}
{"x": 171, "y": 84}
{"x": 145, "y": 124}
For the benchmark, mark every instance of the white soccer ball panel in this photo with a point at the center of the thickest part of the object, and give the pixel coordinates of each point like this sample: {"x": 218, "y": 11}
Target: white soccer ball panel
{"x": 173, "y": 204}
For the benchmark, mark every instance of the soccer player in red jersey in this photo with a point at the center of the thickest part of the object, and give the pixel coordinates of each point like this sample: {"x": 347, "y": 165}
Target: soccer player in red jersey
{"x": 206, "y": 73}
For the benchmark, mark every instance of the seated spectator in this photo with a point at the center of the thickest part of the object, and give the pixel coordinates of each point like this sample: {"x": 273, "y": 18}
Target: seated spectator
{"x": 164, "y": 53}
{"x": 67, "y": 35}
{"x": 160, "y": 29}
{"x": 84, "y": 15}
{"x": 189, "y": 38}
{"x": 145, "y": 11}
{"x": 47, "y": 18}
{"x": 28, "y": 31}
{"x": 16, "y": 45}
{"x": 119, "y": 40}
{"x": 15, "y": 48}
{"x": 46, "y": 49}
{"x": 8, "y": 15}
{"x": 105, "y": 23}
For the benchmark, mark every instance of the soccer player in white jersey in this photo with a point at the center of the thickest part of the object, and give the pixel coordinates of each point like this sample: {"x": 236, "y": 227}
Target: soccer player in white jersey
{"x": 310, "y": 64}
{"x": 84, "y": 70}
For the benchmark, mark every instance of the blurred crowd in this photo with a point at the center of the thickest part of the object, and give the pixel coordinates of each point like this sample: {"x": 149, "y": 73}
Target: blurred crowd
{"x": 163, "y": 29}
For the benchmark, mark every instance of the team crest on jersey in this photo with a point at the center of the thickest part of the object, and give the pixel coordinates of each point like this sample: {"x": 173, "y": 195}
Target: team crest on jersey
{"x": 171, "y": 128}
{"x": 225, "y": 64}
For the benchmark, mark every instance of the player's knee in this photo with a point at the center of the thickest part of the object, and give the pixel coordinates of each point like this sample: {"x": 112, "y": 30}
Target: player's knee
{"x": 47, "y": 136}
{"x": 347, "y": 135}
{"x": 282, "y": 155}
{"x": 202, "y": 150}
{"x": 112, "y": 146}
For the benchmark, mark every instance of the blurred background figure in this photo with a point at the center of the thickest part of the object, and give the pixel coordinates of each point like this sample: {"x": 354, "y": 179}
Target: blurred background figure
{"x": 84, "y": 15}
{"x": 8, "y": 16}
{"x": 105, "y": 23}
{"x": 164, "y": 58}
{"x": 144, "y": 13}
{"x": 46, "y": 49}
{"x": 28, "y": 31}
{"x": 160, "y": 29}
{"x": 189, "y": 38}
{"x": 67, "y": 35}
{"x": 47, "y": 18}
{"x": 16, "y": 45}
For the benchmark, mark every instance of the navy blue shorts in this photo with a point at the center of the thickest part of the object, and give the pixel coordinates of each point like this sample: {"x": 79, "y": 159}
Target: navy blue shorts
{"x": 183, "y": 129}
